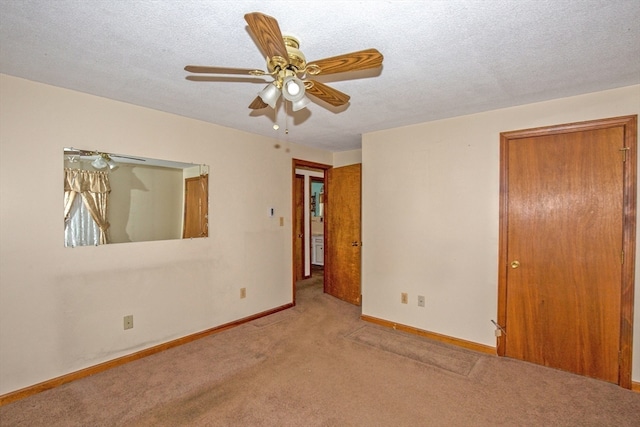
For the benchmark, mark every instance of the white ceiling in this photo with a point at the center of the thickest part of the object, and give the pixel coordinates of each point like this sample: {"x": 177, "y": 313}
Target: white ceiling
{"x": 441, "y": 58}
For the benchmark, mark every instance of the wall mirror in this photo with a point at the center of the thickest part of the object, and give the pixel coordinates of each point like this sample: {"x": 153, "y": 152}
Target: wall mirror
{"x": 317, "y": 197}
{"x": 115, "y": 198}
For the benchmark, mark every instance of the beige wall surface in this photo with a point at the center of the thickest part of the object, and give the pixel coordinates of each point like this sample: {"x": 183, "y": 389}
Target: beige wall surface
{"x": 146, "y": 203}
{"x": 61, "y": 309}
{"x": 430, "y": 214}
{"x": 346, "y": 158}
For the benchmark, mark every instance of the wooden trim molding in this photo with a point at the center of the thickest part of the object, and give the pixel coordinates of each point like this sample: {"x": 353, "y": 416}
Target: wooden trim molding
{"x": 469, "y": 345}
{"x": 64, "y": 379}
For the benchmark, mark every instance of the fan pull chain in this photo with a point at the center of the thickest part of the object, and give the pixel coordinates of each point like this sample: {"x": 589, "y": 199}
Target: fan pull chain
{"x": 275, "y": 118}
{"x": 286, "y": 120}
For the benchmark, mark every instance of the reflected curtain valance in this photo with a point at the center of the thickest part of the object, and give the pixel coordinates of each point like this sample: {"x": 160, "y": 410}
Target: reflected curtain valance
{"x": 79, "y": 180}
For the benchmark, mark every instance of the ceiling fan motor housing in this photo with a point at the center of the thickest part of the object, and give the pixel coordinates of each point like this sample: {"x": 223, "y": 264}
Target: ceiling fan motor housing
{"x": 297, "y": 60}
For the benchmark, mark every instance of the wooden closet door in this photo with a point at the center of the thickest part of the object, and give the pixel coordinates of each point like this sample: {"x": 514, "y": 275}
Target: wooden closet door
{"x": 564, "y": 205}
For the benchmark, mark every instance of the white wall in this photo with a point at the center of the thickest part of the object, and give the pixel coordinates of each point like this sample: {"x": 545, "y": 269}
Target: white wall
{"x": 430, "y": 214}
{"x": 61, "y": 309}
{"x": 346, "y": 158}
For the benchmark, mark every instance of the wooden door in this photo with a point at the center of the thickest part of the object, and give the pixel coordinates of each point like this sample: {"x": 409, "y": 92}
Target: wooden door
{"x": 196, "y": 207}
{"x": 298, "y": 242}
{"x": 342, "y": 233}
{"x": 567, "y": 247}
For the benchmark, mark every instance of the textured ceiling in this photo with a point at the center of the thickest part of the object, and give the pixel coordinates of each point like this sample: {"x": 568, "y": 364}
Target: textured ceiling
{"x": 441, "y": 58}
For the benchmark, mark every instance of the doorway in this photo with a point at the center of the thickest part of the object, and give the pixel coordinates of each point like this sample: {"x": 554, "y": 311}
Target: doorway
{"x": 308, "y": 223}
{"x": 342, "y": 243}
{"x": 567, "y": 247}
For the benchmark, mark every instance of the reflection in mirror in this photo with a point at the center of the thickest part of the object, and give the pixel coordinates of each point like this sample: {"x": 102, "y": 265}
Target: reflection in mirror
{"x": 114, "y": 198}
{"x": 317, "y": 197}
{"x": 317, "y": 205}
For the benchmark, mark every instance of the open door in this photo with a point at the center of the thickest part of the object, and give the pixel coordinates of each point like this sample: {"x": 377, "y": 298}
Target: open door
{"x": 343, "y": 243}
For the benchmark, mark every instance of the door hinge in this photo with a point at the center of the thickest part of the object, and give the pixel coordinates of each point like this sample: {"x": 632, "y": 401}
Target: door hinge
{"x": 622, "y": 258}
{"x": 624, "y": 153}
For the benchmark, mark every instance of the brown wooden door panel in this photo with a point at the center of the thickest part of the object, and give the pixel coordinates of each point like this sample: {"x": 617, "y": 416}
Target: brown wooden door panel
{"x": 298, "y": 245}
{"x": 196, "y": 207}
{"x": 343, "y": 241}
{"x": 563, "y": 213}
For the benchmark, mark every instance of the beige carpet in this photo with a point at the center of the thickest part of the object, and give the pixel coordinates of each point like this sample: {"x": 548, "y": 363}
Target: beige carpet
{"x": 318, "y": 364}
{"x": 447, "y": 357}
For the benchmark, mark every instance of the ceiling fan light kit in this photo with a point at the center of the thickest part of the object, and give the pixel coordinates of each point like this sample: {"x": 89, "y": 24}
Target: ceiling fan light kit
{"x": 300, "y": 104}
{"x": 270, "y": 94}
{"x": 292, "y": 88}
{"x": 103, "y": 161}
{"x": 290, "y": 70}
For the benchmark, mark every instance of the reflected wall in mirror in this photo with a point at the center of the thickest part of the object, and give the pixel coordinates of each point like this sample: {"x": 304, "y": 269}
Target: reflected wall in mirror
{"x": 115, "y": 198}
{"x": 317, "y": 197}
{"x": 317, "y": 206}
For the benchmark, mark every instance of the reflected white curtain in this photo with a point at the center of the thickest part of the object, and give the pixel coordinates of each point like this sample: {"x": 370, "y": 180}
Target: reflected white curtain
{"x": 85, "y": 217}
{"x": 80, "y": 229}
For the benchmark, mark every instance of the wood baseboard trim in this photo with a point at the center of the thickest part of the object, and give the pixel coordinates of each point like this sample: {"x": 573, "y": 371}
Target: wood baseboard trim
{"x": 469, "y": 345}
{"x": 635, "y": 386}
{"x": 92, "y": 370}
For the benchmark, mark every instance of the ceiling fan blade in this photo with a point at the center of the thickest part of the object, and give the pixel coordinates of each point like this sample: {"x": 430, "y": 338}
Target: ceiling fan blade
{"x": 229, "y": 79}
{"x": 327, "y": 94}
{"x": 258, "y": 104}
{"x": 361, "y": 60}
{"x": 222, "y": 70}
{"x": 267, "y": 32}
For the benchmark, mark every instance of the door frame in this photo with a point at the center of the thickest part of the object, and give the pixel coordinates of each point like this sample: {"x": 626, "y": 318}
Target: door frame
{"x": 303, "y": 164}
{"x": 298, "y": 233}
{"x": 629, "y": 123}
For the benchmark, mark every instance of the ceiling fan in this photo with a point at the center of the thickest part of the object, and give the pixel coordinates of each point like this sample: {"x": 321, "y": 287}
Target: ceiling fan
{"x": 289, "y": 68}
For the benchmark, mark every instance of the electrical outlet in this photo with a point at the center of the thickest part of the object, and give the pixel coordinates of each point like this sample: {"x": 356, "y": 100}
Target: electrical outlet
{"x": 404, "y": 298}
{"x": 243, "y": 293}
{"x": 128, "y": 321}
{"x": 420, "y": 300}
